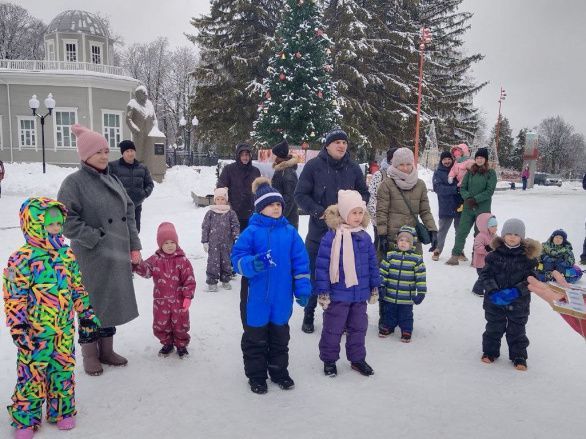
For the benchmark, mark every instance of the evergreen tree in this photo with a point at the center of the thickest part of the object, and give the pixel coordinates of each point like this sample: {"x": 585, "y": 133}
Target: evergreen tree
{"x": 519, "y": 150}
{"x": 507, "y": 152}
{"x": 234, "y": 41}
{"x": 298, "y": 94}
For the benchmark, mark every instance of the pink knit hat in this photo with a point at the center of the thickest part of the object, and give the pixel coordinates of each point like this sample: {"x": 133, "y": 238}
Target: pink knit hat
{"x": 88, "y": 142}
{"x": 348, "y": 200}
{"x": 166, "y": 232}
{"x": 221, "y": 192}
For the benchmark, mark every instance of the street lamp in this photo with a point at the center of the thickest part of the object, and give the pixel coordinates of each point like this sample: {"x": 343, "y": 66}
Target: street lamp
{"x": 424, "y": 39}
{"x": 34, "y": 104}
{"x": 502, "y": 97}
{"x": 194, "y": 123}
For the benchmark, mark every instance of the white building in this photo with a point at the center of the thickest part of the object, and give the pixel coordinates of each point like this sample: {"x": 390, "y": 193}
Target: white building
{"x": 88, "y": 89}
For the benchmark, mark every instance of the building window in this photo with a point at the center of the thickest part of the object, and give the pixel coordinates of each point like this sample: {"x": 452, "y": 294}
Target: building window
{"x": 63, "y": 119}
{"x": 50, "y": 50}
{"x": 112, "y": 123}
{"x": 27, "y": 132}
{"x": 71, "y": 51}
{"x": 96, "y": 54}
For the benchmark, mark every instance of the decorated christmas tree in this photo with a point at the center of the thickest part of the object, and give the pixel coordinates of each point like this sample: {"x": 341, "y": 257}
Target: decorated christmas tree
{"x": 298, "y": 96}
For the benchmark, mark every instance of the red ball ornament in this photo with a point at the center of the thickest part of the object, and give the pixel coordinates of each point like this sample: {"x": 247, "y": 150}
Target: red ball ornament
{"x": 282, "y": 76}
{"x": 297, "y": 55}
{"x": 268, "y": 95}
{"x": 319, "y": 32}
{"x": 320, "y": 94}
{"x": 305, "y": 145}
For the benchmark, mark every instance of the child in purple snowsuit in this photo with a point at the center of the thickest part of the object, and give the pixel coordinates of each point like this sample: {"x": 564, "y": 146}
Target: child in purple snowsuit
{"x": 219, "y": 230}
{"x": 346, "y": 277}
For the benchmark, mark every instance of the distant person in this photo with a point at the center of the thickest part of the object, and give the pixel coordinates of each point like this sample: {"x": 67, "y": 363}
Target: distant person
{"x": 525, "y": 176}
{"x": 1, "y": 176}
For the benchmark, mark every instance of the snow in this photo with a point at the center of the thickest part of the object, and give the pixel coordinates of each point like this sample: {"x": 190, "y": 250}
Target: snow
{"x": 434, "y": 387}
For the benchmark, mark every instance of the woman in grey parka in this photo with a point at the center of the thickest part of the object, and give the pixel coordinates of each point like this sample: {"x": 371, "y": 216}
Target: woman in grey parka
{"x": 100, "y": 224}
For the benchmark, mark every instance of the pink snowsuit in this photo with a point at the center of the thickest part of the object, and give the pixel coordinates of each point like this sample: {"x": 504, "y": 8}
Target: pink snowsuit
{"x": 174, "y": 281}
{"x": 460, "y": 169}
{"x": 481, "y": 240}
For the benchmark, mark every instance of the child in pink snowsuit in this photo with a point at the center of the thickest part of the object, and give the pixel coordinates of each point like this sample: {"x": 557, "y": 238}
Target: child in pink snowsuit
{"x": 487, "y": 226}
{"x": 462, "y": 162}
{"x": 174, "y": 288}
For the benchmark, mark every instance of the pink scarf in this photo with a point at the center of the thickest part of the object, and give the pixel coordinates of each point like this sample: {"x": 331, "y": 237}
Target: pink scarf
{"x": 220, "y": 208}
{"x": 343, "y": 239}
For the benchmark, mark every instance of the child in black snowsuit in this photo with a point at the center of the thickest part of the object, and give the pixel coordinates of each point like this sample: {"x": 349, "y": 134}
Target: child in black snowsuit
{"x": 507, "y": 297}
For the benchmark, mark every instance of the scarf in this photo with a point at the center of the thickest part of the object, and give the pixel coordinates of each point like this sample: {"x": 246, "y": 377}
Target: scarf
{"x": 403, "y": 181}
{"x": 220, "y": 208}
{"x": 343, "y": 240}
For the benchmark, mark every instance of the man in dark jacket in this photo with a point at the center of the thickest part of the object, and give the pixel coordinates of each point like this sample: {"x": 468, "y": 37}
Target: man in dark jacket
{"x": 285, "y": 180}
{"x": 134, "y": 175}
{"x": 319, "y": 183}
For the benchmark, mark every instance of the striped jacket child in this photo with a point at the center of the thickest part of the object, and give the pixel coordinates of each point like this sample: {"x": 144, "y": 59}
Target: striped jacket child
{"x": 404, "y": 284}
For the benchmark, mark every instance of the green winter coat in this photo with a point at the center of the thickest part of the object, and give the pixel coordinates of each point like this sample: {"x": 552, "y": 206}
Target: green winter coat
{"x": 479, "y": 186}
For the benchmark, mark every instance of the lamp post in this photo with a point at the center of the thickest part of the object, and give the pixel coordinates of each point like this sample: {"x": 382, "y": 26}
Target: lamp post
{"x": 502, "y": 97}
{"x": 194, "y": 123}
{"x": 34, "y": 104}
{"x": 424, "y": 39}
{"x": 182, "y": 123}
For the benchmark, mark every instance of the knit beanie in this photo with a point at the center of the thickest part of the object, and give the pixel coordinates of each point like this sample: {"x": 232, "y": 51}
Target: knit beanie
{"x": 482, "y": 152}
{"x": 559, "y": 232}
{"x": 265, "y": 194}
{"x": 88, "y": 142}
{"x": 390, "y": 153}
{"x": 402, "y": 156}
{"x": 166, "y": 232}
{"x": 281, "y": 149}
{"x": 126, "y": 144}
{"x": 408, "y": 232}
{"x": 446, "y": 155}
{"x": 221, "y": 192}
{"x": 513, "y": 226}
{"x": 492, "y": 222}
{"x": 336, "y": 134}
{"x": 347, "y": 201}
{"x": 53, "y": 215}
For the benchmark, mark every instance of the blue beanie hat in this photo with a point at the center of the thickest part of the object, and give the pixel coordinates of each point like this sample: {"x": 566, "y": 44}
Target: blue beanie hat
{"x": 492, "y": 222}
{"x": 265, "y": 194}
{"x": 336, "y": 134}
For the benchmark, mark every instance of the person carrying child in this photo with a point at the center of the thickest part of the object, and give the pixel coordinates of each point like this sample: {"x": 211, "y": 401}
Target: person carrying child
{"x": 486, "y": 224}
{"x": 558, "y": 254}
{"x": 173, "y": 291}
{"x": 463, "y": 163}
{"x": 42, "y": 292}
{"x": 346, "y": 277}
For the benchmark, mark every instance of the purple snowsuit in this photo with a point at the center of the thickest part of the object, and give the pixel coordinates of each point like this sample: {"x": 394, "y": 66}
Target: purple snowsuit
{"x": 347, "y": 310}
{"x": 219, "y": 230}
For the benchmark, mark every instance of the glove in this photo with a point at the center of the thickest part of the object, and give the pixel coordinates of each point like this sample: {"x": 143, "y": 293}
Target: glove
{"x": 324, "y": 301}
{"x": 186, "y": 303}
{"x": 373, "y": 296}
{"x": 488, "y": 248}
{"x": 433, "y": 236}
{"x": 302, "y": 301}
{"x": 470, "y": 203}
{"x": 135, "y": 256}
{"x": 88, "y": 327}
{"x": 263, "y": 261}
{"x": 21, "y": 337}
{"x": 383, "y": 244}
{"x": 206, "y": 247}
{"x": 504, "y": 297}
{"x": 418, "y": 298}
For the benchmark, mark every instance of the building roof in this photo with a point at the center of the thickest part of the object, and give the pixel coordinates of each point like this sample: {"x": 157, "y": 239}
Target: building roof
{"x": 79, "y": 21}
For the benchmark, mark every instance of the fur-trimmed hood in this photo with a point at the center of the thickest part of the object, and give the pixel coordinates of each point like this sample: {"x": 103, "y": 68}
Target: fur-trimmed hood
{"x": 334, "y": 220}
{"x": 532, "y": 247}
{"x": 289, "y": 163}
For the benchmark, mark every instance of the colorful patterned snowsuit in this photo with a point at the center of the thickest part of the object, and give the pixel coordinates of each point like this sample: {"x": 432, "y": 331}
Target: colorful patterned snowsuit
{"x": 174, "y": 281}
{"x": 42, "y": 291}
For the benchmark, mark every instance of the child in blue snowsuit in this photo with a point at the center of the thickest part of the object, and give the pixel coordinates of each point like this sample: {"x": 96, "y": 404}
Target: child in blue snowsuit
{"x": 558, "y": 255}
{"x": 271, "y": 254}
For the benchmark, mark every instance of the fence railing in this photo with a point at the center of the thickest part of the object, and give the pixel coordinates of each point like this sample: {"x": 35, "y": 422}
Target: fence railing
{"x": 60, "y": 66}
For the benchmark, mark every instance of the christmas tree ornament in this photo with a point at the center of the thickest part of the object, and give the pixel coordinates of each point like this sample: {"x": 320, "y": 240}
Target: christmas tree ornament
{"x": 282, "y": 76}
{"x": 297, "y": 54}
{"x": 268, "y": 95}
{"x": 283, "y": 55}
{"x": 320, "y": 94}
{"x": 328, "y": 51}
{"x": 319, "y": 32}
{"x": 312, "y": 134}
{"x": 305, "y": 145}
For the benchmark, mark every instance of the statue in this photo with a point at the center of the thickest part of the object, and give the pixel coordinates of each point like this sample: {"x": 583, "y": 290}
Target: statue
{"x": 149, "y": 141}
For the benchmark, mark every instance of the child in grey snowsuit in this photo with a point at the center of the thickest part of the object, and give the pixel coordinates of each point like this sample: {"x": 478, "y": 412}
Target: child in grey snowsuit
{"x": 219, "y": 231}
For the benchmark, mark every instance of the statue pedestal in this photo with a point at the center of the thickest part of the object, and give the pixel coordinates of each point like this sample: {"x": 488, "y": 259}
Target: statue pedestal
{"x": 154, "y": 154}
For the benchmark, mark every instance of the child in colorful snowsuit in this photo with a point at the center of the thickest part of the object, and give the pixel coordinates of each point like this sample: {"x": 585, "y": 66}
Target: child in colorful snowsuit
{"x": 271, "y": 254}
{"x": 507, "y": 296}
{"x": 558, "y": 255}
{"x": 486, "y": 224}
{"x": 404, "y": 284}
{"x": 42, "y": 292}
{"x": 174, "y": 288}
{"x": 462, "y": 164}
{"x": 346, "y": 277}
{"x": 219, "y": 231}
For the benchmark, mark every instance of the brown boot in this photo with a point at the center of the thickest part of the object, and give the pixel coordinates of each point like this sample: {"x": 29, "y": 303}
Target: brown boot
{"x": 454, "y": 260}
{"x": 91, "y": 363}
{"x": 435, "y": 256}
{"x": 462, "y": 257}
{"x": 107, "y": 354}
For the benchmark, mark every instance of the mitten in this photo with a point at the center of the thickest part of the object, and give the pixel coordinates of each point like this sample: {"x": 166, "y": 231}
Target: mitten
{"x": 88, "y": 327}
{"x": 418, "y": 298}
{"x": 324, "y": 301}
{"x": 302, "y": 300}
{"x": 504, "y": 297}
{"x": 470, "y": 203}
{"x": 135, "y": 256}
{"x": 383, "y": 244}
{"x": 186, "y": 303}
{"x": 21, "y": 337}
{"x": 373, "y": 296}
{"x": 206, "y": 247}
{"x": 263, "y": 261}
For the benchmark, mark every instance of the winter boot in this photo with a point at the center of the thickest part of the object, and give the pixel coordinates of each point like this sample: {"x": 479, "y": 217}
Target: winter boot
{"x": 66, "y": 423}
{"x": 384, "y": 332}
{"x": 478, "y": 293}
{"x": 24, "y": 433}
{"x": 307, "y": 326}
{"x": 363, "y": 368}
{"x": 520, "y": 363}
{"x": 107, "y": 354}
{"x": 462, "y": 257}
{"x": 406, "y": 337}
{"x": 435, "y": 256}
{"x": 285, "y": 383}
{"x": 454, "y": 260}
{"x": 226, "y": 285}
{"x": 488, "y": 359}
{"x": 182, "y": 352}
{"x": 330, "y": 370}
{"x": 212, "y": 288}
{"x": 91, "y": 362}
{"x": 166, "y": 350}
{"x": 258, "y": 386}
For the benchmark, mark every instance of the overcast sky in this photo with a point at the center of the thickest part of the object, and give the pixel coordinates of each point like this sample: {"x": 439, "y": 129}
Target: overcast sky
{"x": 533, "y": 48}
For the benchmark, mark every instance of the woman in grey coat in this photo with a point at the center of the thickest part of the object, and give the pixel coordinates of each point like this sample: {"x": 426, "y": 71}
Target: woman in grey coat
{"x": 104, "y": 238}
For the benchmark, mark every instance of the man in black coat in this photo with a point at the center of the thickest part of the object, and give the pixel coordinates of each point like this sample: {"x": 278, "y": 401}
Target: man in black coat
{"x": 319, "y": 183}
{"x": 134, "y": 175}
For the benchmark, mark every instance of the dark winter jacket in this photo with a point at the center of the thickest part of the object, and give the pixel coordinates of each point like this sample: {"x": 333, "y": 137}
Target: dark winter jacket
{"x": 403, "y": 274}
{"x": 448, "y": 197}
{"x": 135, "y": 178}
{"x": 319, "y": 183}
{"x": 272, "y": 288}
{"x": 285, "y": 181}
{"x": 238, "y": 178}
{"x": 479, "y": 183}
{"x": 366, "y": 263}
{"x": 510, "y": 267}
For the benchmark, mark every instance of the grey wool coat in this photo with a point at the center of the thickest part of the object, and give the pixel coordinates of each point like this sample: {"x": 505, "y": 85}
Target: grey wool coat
{"x": 100, "y": 224}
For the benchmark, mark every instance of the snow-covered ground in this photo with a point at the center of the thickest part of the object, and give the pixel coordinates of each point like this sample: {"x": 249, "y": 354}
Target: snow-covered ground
{"x": 435, "y": 387}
